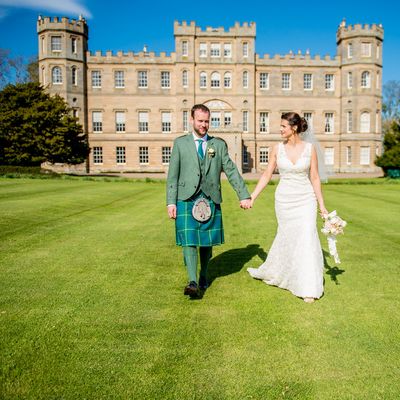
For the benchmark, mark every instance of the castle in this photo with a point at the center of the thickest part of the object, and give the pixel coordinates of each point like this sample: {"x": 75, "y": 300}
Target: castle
{"x": 133, "y": 105}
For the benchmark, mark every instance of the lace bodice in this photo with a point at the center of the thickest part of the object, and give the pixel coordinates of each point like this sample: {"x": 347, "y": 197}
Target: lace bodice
{"x": 300, "y": 168}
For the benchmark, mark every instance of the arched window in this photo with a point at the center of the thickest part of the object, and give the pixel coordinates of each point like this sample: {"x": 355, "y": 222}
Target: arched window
{"x": 56, "y": 76}
{"x": 366, "y": 79}
{"x": 245, "y": 79}
{"x": 215, "y": 80}
{"x": 365, "y": 122}
{"x": 227, "y": 80}
{"x": 74, "y": 73}
{"x": 203, "y": 79}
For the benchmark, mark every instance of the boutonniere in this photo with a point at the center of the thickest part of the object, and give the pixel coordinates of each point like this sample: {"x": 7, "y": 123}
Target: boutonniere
{"x": 211, "y": 152}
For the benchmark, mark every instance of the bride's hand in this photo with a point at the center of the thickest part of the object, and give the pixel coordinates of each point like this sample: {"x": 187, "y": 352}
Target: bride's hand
{"x": 323, "y": 212}
{"x": 252, "y": 199}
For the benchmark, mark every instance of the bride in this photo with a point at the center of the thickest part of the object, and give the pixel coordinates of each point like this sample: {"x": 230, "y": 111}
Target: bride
{"x": 295, "y": 260}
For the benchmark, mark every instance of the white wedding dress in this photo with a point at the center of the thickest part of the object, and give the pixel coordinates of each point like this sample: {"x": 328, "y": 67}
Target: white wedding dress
{"x": 295, "y": 260}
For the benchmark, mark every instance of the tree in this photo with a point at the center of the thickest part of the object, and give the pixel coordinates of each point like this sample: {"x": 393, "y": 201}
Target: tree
{"x": 391, "y": 100}
{"x": 36, "y": 127}
{"x": 389, "y": 161}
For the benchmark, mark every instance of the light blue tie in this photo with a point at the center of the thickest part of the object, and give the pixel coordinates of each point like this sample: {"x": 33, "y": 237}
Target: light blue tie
{"x": 200, "y": 148}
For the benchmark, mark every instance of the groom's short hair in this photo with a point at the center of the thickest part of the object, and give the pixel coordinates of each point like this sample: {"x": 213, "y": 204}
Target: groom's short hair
{"x": 201, "y": 107}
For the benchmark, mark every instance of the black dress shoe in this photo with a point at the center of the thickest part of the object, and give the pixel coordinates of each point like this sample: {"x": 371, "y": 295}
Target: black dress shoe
{"x": 203, "y": 284}
{"x": 191, "y": 290}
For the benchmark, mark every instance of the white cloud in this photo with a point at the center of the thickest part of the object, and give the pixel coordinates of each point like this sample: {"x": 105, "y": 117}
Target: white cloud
{"x": 70, "y": 7}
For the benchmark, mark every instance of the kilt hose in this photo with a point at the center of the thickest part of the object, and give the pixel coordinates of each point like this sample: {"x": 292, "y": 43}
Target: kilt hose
{"x": 190, "y": 232}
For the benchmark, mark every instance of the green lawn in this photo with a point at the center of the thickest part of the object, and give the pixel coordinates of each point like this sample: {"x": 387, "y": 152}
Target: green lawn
{"x": 91, "y": 302}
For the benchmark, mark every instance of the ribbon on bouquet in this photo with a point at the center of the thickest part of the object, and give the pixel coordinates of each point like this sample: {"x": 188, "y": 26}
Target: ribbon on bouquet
{"x": 333, "y": 226}
{"x": 332, "y": 248}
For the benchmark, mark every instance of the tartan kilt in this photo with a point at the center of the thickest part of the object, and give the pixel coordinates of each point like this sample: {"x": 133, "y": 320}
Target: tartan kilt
{"x": 190, "y": 232}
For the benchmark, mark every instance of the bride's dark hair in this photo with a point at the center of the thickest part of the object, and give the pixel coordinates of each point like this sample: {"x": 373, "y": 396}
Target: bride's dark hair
{"x": 295, "y": 120}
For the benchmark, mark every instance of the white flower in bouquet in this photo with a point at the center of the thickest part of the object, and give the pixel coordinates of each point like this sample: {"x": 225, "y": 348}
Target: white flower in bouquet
{"x": 333, "y": 226}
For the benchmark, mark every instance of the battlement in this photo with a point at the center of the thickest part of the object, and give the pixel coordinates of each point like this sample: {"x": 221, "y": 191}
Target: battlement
{"x": 63, "y": 23}
{"x": 185, "y": 29}
{"x": 358, "y": 30}
{"x": 297, "y": 59}
{"x": 129, "y": 57}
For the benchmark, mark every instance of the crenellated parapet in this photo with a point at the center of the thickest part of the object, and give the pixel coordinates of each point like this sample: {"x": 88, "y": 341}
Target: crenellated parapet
{"x": 62, "y": 24}
{"x": 243, "y": 30}
{"x": 120, "y": 57}
{"x": 292, "y": 59}
{"x": 358, "y": 30}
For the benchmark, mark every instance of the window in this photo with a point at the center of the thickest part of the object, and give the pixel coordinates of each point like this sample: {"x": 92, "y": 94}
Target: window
{"x": 120, "y": 121}
{"x": 120, "y": 155}
{"x": 55, "y": 43}
{"x": 377, "y": 121}
{"x": 286, "y": 81}
{"x": 143, "y": 121}
{"x": 227, "y": 79}
{"x": 97, "y": 121}
{"x": 365, "y": 49}
{"x": 245, "y": 121}
{"x": 264, "y": 80}
{"x": 365, "y": 122}
{"x": 245, "y": 155}
{"x": 227, "y": 118}
{"x": 165, "y": 154}
{"x": 215, "y": 50}
{"x": 143, "y": 155}
{"x": 74, "y": 76}
{"x": 348, "y": 155}
{"x": 43, "y": 45}
{"x": 264, "y": 153}
{"x": 307, "y": 82}
{"x": 349, "y": 80}
{"x": 119, "y": 79}
{"x": 227, "y": 50}
{"x": 166, "y": 121}
{"x": 329, "y": 82}
{"x": 56, "y": 76}
{"x": 245, "y": 49}
{"x": 43, "y": 76}
{"x": 215, "y": 119}
{"x": 185, "y": 79}
{"x": 309, "y": 118}
{"x": 378, "y": 79}
{"x": 185, "y": 118}
{"x": 203, "y": 50}
{"x": 264, "y": 122}
{"x": 74, "y": 45}
{"x": 142, "y": 79}
{"x": 329, "y": 155}
{"x": 96, "y": 79}
{"x": 165, "y": 79}
{"x": 364, "y": 155}
{"x": 378, "y": 51}
{"x": 75, "y": 113}
{"x": 97, "y": 155}
{"x": 245, "y": 79}
{"x": 185, "y": 49}
{"x": 203, "y": 80}
{"x": 350, "y": 50}
{"x": 215, "y": 80}
{"x": 365, "y": 79}
{"x": 329, "y": 127}
{"x": 349, "y": 124}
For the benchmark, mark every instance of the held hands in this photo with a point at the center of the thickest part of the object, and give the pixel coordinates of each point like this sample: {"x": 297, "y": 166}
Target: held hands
{"x": 245, "y": 204}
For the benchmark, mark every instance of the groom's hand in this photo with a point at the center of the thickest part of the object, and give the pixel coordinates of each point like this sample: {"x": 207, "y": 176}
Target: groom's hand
{"x": 172, "y": 211}
{"x": 245, "y": 204}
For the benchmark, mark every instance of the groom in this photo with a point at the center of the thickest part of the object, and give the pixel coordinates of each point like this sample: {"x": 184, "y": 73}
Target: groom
{"x": 194, "y": 195}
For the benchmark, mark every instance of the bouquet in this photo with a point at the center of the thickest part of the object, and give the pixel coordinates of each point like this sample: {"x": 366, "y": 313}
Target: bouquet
{"x": 333, "y": 226}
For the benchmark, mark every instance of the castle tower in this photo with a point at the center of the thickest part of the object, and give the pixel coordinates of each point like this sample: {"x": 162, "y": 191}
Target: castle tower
{"x": 62, "y": 61}
{"x": 360, "y": 50}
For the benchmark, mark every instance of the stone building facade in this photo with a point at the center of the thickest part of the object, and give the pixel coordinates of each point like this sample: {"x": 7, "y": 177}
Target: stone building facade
{"x": 133, "y": 105}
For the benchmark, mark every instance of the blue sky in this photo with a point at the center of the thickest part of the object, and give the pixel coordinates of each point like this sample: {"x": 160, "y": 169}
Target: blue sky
{"x": 281, "y": 27}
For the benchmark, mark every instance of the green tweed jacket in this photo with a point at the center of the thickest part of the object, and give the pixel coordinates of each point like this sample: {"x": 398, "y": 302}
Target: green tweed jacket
{"x": 184, "y": 170}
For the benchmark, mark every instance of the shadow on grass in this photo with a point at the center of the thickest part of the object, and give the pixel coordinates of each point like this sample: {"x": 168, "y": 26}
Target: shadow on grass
{"x": 232, "y": 261}
{"x": 333, "y": 272}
